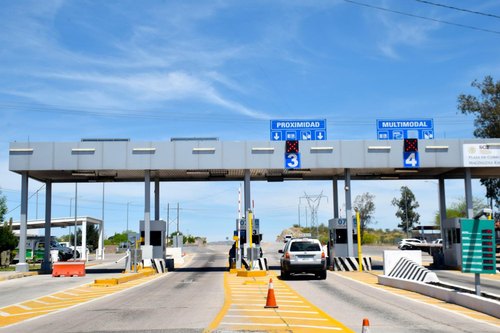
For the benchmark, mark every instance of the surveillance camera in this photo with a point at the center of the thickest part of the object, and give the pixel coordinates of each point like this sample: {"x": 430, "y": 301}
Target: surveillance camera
{"x": 484, "y": 211}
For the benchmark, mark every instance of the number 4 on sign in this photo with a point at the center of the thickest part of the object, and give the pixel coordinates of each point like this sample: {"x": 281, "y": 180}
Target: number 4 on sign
{"x": 411, "y": 160}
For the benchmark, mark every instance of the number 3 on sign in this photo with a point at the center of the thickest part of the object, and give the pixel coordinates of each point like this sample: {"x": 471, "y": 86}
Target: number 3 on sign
{"x": 292, "y": 161}
{"x": 410, "y": 160}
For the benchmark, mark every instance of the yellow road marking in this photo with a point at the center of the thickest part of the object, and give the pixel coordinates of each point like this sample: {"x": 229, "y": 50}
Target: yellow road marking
{"x": 244, "y": 308}
{"x": 13, "y": 314}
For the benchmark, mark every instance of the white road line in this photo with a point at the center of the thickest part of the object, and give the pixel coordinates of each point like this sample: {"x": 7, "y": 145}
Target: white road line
{"x": 4, "y": 314}
{"x": 333, "y": 328}
{"x": 277, "y": 310}
{"x": 288, "y": 306}
{"x": 278, "y": 317}
{"x": 24, "y": 307}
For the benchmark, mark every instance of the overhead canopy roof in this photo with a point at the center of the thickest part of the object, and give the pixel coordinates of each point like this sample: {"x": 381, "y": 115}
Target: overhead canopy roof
{"x": 202, "y": 160}
{"x": 59, "y": 222}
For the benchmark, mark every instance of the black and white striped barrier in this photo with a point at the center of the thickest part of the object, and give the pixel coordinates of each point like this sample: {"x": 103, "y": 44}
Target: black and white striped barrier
{"x": 407, "y": 269}
{"x": 349, "y": 264}
{"x": 257, "y": 265}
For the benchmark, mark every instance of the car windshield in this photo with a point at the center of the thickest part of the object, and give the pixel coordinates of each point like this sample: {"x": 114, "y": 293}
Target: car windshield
{"x": 304, "y": 246}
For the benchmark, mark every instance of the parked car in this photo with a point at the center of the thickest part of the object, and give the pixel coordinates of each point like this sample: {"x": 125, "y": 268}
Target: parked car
{"x": 409, "y": 243}
{"x": 303, "y": 255}
{"x": 35, "y": 249}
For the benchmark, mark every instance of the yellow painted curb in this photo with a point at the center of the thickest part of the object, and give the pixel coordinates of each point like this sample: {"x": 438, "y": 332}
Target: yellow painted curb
{"x": 124, "y": 279}
{"x": 251, "y": 273}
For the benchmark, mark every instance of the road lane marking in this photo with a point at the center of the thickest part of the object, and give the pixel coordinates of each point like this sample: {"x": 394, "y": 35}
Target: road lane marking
{"x": 244, "y": 308}
{"x": 333, "y": 328}
{"x": 63, "y": 300}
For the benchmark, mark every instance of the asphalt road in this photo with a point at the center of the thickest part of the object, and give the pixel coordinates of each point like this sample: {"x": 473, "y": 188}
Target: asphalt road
{"x": 188, "y": 299}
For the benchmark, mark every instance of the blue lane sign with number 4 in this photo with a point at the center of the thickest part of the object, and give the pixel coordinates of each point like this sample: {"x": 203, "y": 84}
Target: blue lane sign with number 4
{"x": 292, "y": 161}
{"x": 411, "y": 160}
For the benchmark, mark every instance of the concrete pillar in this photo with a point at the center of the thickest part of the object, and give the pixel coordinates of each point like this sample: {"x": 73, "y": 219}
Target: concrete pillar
{"x": 147, "y": 208}
{"x": 100, "y": 246}
{"x": 442, "y": 204}
{"x": 83, "y": 253}
{"x": 47, "y": 263}
{"x": 335, "y": 198}
{"x": 248, "y": 206}
{"x": 348, "y": 208}
{"x": 22, "y": 266}
{"x": 468, "y": 193}
{"x": 157, "y": 199}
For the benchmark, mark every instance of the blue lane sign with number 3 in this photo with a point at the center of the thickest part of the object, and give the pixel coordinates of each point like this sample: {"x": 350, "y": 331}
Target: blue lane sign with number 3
{"x": 292, "y": 161}
{"x": 411, "y": 160}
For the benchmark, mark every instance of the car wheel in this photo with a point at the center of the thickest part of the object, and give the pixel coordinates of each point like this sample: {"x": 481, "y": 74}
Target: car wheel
{"x": 322, "y": 275}
{"x": 404, "y": 247}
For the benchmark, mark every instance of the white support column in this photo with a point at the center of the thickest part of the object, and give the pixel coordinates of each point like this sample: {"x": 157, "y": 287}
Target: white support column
{"x": 348, "y": 208}
{"x": 22, "y": 266}
{"x": 47, "y": 263}
{"x": 442, "y": 204}
{"x": 157, "y": 199}
{"x": 468, "y": 193}
{"x": 335, "y": 198}
{"x": 83, "y": 253}
{"x": 147, "y": 249}
{"x": 100, "y": 246}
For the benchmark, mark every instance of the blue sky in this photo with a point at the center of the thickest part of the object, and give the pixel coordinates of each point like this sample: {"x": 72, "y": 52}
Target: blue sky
{"x": 160, "y": 69}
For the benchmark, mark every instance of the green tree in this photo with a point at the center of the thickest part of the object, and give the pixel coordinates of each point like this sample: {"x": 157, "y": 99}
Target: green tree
{"x": 92, "y": 237}
{"x": 459, "y": 209}
{"x": 8, "y": 241}
{"x": 407, "y": 205}
{"x": 366, "y": 207}
{"x": 486, "y": 109}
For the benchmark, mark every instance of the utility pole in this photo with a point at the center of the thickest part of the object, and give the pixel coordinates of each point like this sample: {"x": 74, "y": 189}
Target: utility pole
{"x": 313, "y": 201}
{"x": 177, "y": 219}
{"x": 168, "y": 221}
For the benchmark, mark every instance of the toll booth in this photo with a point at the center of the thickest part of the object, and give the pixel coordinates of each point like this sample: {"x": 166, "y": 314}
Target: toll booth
{"x": 256, "y": 239}
{"x": 156, "y": 239}
{"x": 452, "y": 244}
{"x": 338, "y": 237}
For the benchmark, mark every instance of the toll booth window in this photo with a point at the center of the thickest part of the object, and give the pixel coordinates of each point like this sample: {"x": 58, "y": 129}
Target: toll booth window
{"x": 155, "y": 238}
{"x": 448, "y": 238}
{"x": 457, "y": 236}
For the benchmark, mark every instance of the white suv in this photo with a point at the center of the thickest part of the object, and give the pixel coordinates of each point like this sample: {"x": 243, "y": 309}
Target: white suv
{"x": 303, "y": 255}
{"x": 409, "y": 243}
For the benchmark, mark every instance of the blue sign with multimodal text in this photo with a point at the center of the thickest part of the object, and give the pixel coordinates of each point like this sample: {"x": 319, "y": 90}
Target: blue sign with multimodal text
{"x": 390, "y": 129}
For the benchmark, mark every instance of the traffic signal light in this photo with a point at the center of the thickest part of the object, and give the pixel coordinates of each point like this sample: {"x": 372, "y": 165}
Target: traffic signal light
{"x": 292, "y": 146}
{"x": 410, "y": 145}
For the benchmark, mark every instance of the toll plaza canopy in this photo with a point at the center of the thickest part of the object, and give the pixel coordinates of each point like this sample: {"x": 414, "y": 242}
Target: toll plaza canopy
{"x": 191, "y": 160}
{"x": 118, "y": 160}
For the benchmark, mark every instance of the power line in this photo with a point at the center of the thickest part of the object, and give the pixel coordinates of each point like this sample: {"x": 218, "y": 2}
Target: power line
{"x": 460, "y": 9}
{"x": 422, "y": 17}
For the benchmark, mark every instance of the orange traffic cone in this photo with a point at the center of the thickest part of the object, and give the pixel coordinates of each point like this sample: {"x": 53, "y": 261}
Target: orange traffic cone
{"x": 366, "y": 326}
{"x": 271, "y": 299}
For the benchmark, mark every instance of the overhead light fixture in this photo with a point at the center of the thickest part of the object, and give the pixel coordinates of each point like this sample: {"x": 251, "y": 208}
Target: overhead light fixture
{"x": 218, "y": 173}
{"x": 263, "y": 149}
{"x": 198, "y": 172}
{"x": 144, "y": 150}
{"x": 299, "y": 170}
{"x": 389, "y": 177}
{"x": 83, "y": 173}
{"x": 406, "y": 170}
{"x": 315, "y": 149}
{"x": 21, "y": 150}
{"x": 203, "y": 150}
{"x": 379, "y": 147}
{"x": 83, "y": 150}
{"x": 437, "y": 147}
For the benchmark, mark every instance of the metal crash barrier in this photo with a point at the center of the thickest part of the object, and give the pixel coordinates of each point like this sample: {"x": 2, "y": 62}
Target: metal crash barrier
{"x": 68, "y": 268}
